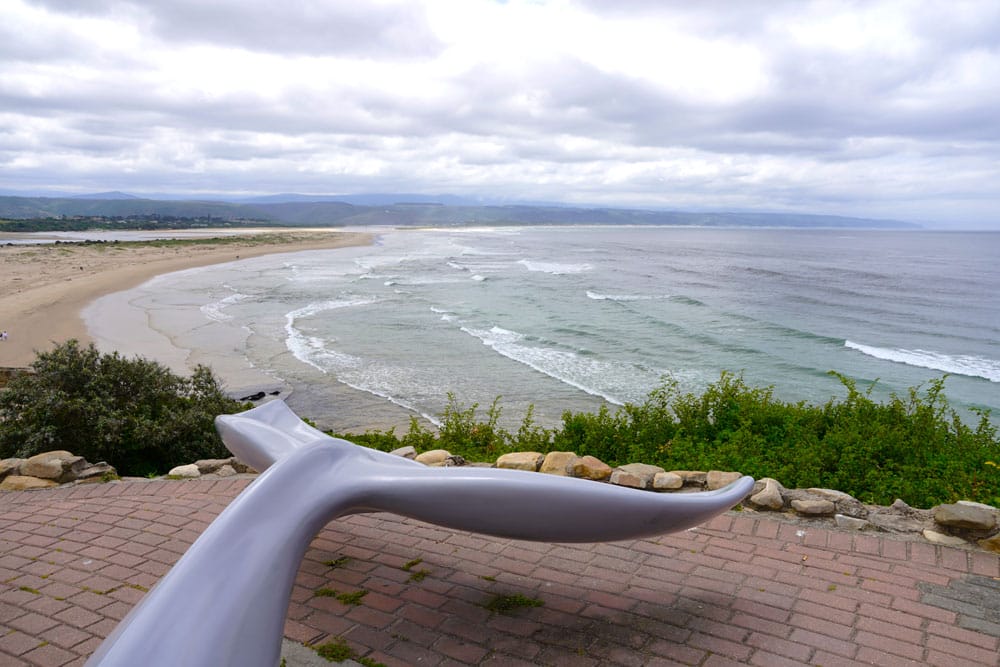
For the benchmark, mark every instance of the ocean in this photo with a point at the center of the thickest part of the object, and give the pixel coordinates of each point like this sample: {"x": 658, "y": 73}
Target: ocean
{"x": 573, "y": 317}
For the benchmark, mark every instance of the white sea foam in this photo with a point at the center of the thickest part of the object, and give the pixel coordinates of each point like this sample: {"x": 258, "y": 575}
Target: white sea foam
{"x": 624, "y": 297}
{"x": 356, "y": 372}
{"x": 611, "y": 381}
{"x": 555, "y": 268}
{"x": 478, "y": 278}
{"x": 312, "y": 350}
{"x": 215, "y": 311}
{"x": 959, "y": 364}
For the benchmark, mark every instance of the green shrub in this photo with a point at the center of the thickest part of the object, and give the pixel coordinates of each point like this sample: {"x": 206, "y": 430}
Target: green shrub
{"x": 915, "y": 447}
{"x": 133, "y": 413}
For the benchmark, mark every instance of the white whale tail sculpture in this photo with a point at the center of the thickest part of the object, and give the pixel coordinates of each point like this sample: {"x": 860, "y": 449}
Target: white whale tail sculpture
{"x": 225, "y": 601}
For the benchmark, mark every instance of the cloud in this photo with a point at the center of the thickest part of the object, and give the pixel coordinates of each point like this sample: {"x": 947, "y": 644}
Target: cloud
{"x": 860, "y": 108}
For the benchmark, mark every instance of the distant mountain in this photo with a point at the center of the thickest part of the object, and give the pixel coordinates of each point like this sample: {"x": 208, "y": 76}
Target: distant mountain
{"x": 363, "y": 199}
{"x": 107, "y": 195}
{"x": 307, "y": 210}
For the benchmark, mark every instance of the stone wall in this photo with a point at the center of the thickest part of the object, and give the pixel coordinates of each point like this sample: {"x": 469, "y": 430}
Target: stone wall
{"x": 962, "y": 524}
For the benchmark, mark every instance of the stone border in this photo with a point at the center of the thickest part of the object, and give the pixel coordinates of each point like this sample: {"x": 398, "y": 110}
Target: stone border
{"x": 961, "y": 524}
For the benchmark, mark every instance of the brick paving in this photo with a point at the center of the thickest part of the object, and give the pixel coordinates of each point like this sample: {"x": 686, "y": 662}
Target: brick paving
{"x": 742, "y": 589}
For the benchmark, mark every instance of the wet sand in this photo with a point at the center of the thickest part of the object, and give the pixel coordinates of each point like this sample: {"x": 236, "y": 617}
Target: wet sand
{"x": 47, "y": 286}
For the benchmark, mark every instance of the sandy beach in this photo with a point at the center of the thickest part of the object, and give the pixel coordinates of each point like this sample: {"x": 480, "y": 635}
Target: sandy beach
{"x": 47, "y": 285}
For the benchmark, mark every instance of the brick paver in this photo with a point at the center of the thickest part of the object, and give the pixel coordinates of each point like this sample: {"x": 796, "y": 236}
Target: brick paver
{"x": 743, "y": 589}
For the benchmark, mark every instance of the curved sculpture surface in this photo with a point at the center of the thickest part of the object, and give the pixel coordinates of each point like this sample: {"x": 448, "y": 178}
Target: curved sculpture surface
{"x": 225, "y": 601}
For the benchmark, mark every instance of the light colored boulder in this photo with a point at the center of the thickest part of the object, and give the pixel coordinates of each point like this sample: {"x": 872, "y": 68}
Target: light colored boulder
{"x": 408, "y": 452}
{"x": 589, "y": 467}
{"x": 188, "y": 471}
{"x": 770, "y": 496}
{"x": 25, "y": 483}
{"x": 433, "y": 457}
{"x": 226, "y": 471}
{"x": 667, "y": 481}
{"x": 817, "y": 507}
{"x": 529, "y": 461}
{"x": 716, "y": 479}
{"x": 965, "y": 516}
{"x": 557, "y": 463}
{"x": 635, "y": 475}
{"x": 941, "y": 538}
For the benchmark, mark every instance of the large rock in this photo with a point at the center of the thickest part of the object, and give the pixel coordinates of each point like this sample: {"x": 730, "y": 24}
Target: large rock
{"x": 770, "y": 496}
{"x": 434, "y": 457}
{"x": 188, "y": 471}
{"x": 589, "y": 467}
{"x": 845, "y": 502}
{"x": 60, "y": 466}
{"x": 529, "y": 461}
{"x": 667, "y": 481}
{"x": 25, "y": 483}
{"x": 407, "y": 452}
{"x": 556, "y": 463}
{"x": 716, "y": 479}
{"x": 814, "y": 507}
{"x": 9, "y": 467}
{"x": 968, "y": 516}
{"x": 635, "y": 475}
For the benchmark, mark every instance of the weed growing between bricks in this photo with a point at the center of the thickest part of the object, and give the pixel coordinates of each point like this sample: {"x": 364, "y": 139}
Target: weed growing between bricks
{"x": 415, "y": 575}
{"x": 337, "y": 650}
{"x": 345, "y": 598}
{"x": 505, "y": 604}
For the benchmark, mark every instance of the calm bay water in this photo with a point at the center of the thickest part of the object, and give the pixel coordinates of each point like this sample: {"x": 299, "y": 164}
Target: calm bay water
{"x": 568, "y": 318}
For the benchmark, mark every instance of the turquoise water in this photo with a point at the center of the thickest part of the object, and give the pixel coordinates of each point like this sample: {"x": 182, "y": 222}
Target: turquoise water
{"x": 573, "y": 317}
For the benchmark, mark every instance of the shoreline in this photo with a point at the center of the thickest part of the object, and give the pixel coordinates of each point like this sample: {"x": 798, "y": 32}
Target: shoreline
{"x": 49, "y": 285}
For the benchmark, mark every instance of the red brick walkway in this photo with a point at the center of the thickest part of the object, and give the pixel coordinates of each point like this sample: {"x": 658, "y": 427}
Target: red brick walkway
{"x": 744, "y": 589}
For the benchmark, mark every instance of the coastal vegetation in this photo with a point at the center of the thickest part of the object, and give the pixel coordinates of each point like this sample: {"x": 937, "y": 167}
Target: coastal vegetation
{"x": 141, "y": 418}
{"x": 83, "y": 223}
{"x": 132, "y": 413}
{"x": 915, "y": 447}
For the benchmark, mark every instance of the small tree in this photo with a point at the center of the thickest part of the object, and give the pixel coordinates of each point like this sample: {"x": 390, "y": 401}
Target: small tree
{"x": 133, "y": 413}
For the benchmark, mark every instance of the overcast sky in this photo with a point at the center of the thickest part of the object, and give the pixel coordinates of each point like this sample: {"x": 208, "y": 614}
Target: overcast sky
{"x": 869, "y": 108}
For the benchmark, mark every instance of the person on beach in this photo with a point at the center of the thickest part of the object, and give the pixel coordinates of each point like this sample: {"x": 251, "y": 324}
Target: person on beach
{"x": 3, "y": 335}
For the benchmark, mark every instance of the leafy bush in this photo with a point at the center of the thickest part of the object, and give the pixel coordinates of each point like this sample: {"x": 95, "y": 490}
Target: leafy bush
{"x": 915, "y": 447}
{"x": 133, "y": 413}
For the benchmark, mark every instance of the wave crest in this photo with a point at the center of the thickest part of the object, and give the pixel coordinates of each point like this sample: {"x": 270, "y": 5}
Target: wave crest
{"x": 957, "y": 364}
